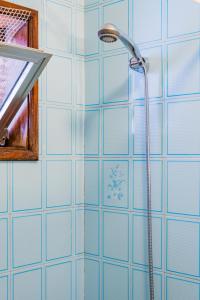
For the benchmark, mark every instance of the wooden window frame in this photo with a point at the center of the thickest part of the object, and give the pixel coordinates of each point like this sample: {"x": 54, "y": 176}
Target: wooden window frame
{"x": 31, "y": 152}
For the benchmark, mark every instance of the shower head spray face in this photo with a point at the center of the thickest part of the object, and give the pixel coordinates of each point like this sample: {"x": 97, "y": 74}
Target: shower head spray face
{"x": 108, "y": 34}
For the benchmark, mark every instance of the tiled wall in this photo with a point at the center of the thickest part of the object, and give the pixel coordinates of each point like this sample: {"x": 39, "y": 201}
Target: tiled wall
{"x": 168, "y": 33}
{"x": 95, "y": 178}
{"x": 41, "y": 207}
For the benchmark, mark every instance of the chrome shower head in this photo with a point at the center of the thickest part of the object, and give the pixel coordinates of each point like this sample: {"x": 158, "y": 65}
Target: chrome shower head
{"x": 109, "y": 33}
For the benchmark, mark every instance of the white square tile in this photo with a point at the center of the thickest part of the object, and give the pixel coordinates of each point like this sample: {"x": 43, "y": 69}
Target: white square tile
{"x": 178, "y": 10}
{"x": 58, "y": 235}
{"x": 115, "y": 236}
{"x": 26, "y": 195}
{"x": 80, "y": 231}
{"x": 59, "y": 131}
{"x": 147, "y": 20}
{"x": 92, "y": 82}
{"x": 183, "y": 187}
{"x": 115, "y": 78}
{"x": 27, "y": 240}
{"x": 178, "y": 288}
{"x": 92, "y": 280}
{"x": 4, "y": 187}
{"x": 116, "y": 13}
{"x": 91, "y": 28}
{"x": 59, "y": 281}
{"x": 155, "y": 75}
{"x": 59, "y": 183}
{"x": 28, "y": 285}
{"x": 183, "y": 68}
{"x": 115, "y": 282}
{"x": 59, "y": 26}
{"x": 183, "y": 128}
{"x": 4, "y": 288}
{"x": 91, "y": 182}
{"x": 3, "y": 244}
{"x": 140, "y": 245}
{"x": 139, "y": 185}
{"x": 156, "y": 119}
{"x": 92, "y": 132}
{"x": 183, "y": 247}
{"x": 59, "y": 90}
{"x": 91, "y": 232}
{"x": 140, "y": 285}
{"x": 80, "y": 184}
{"x": 115, "y": 133}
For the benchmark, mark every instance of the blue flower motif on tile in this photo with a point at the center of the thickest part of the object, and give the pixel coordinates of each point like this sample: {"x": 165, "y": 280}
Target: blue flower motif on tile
{"x": 115, "y": 183}
{"x": 114, "y": 187}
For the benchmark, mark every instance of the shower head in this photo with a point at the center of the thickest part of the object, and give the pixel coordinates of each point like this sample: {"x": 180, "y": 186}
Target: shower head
{"x": 109, "y": 33}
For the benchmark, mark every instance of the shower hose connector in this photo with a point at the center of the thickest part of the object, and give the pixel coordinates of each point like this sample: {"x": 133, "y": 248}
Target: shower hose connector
{"x": 138, "y": 65}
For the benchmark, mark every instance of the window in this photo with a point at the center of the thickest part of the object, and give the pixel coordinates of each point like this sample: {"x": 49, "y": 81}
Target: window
{"x": 20, "y": 67}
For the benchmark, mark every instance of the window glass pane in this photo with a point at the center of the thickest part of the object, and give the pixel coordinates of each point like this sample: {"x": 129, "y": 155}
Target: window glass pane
{"x": 10, "y": 71}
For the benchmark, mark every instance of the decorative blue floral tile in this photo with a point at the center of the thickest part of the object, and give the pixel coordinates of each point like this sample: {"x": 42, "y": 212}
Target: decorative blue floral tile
{"x": 116, "y": 183}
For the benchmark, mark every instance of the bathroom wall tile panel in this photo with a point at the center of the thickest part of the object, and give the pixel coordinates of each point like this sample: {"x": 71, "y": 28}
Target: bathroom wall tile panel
{"x": 91, "y": 23}
{"x": 27, "y": 285}
{"x": 148, "y": 26}
{"x": 116, "y": 13}
{"x": 178, "y": 288}
{"x": 59, "y": 131}
{"x": 92, "y": 279}
{"x": 181, "y": 67}
{"x": 91, "y": 182}
{"x": 183, "y": 128}
{"x": 80, "y": 188}
{"x": 183, "y": 247}
{"x": 59, "y": 33}
{"x": 115, "y": 183}
{"x": 79, "y": 131}
{"x": 91, "y": 232}
{"x": 80, "y": 231}
{"x": 59, "y": 281}
{"x": 139, "y": 182}
{"x": 58, "y": 235}
{"x": 80, "y": 31}
{"x": 81, "y": 71}
{"x": 27, "y": 196}
{"x": 92, "y": 131}
{"x": 183, "y": 187}
{"x": 140, "y": 246}
{"x": 178, "y": 11}
{"x": 92, "y": 82}
{"x": 3, "y": 244}
{"x": 155, "y": 75}
{"x": 116, "y": 235}
{"x": 3, "y": 187}
{"x": 4, "y": 288}
{"x": 115, "y": 78}
{"x": 140, "y": 285}
{"x": 59, "y": 90}
{"x": 27, "y": 240}
{"x": 90, "y": 2}
{"x": 59, "y": 183}
{"x": 35, "y": 4}
{"x": 115, "y": 282}
{"x": 156, "y": 118}
{"x": 80, "y": 279}
{"x": 115, "y": 133}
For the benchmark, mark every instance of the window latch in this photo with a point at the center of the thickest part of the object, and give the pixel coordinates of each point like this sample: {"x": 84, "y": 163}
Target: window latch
{"x": 4, "y": 137}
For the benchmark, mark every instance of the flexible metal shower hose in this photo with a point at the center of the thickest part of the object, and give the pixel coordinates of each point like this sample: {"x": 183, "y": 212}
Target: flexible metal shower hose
{"x": 148, "y": 186}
